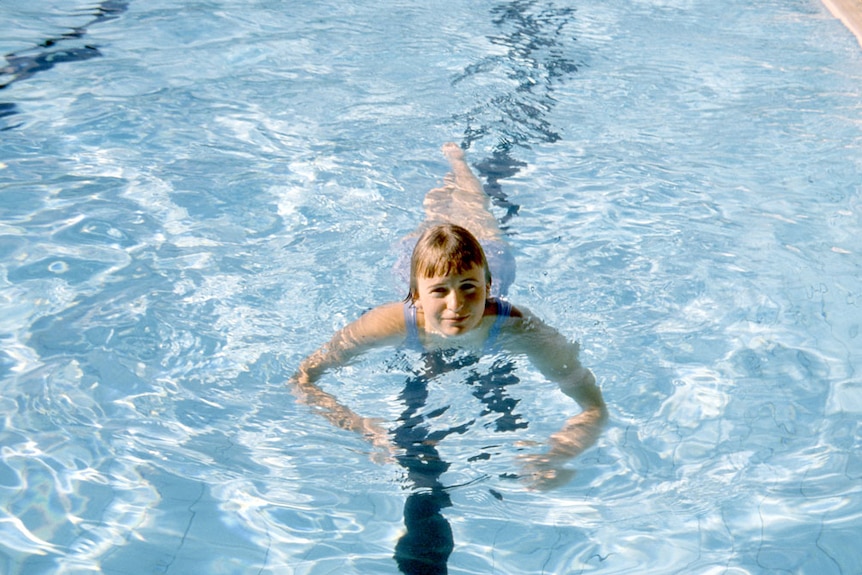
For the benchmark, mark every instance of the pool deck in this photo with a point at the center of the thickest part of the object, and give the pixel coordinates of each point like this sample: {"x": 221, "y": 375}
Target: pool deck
{"x": 850, "y": 13}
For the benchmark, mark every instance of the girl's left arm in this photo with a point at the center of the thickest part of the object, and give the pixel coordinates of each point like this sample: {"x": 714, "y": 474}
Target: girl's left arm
{"x": 557, "y": 359}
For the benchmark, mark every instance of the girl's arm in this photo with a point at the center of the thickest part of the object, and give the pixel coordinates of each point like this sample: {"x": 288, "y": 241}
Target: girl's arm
{"x": 381, "y": 326}
{"x": 557, "y": 359}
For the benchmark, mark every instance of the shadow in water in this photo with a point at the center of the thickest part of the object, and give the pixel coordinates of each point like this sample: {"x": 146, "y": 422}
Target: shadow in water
{"x": 425, "y": 547}
{"x": 538, "y": 56}
{"x": 50, "y": 52}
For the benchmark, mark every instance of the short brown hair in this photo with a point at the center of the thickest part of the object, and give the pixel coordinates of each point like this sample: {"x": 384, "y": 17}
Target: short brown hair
{"x": 442, "y": 250}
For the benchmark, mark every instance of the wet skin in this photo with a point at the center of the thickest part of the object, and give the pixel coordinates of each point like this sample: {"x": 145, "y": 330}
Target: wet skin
{"x": 453, "y": 305}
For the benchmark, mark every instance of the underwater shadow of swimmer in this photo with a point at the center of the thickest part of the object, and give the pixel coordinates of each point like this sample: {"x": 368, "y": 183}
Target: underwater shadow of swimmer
{"x": 499, "y": 166}
{"x": 425, "y": 547}
{"x": 22, "y": 66}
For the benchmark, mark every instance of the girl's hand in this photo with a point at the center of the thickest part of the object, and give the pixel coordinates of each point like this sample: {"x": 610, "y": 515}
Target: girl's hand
{"x": 543, "y": 472}
{"x": 374, "y": 433}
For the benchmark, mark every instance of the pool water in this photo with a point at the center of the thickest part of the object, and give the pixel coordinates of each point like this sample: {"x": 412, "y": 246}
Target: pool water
{"x": 193, "y": 197}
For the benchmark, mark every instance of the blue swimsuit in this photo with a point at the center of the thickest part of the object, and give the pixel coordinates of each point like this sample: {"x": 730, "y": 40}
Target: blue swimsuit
{"x": 412, "y": 341}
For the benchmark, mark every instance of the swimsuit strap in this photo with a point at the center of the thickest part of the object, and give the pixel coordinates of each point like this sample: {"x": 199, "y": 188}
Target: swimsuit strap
{"x": 504, "y": 311}
{"x": 412, "y": 339}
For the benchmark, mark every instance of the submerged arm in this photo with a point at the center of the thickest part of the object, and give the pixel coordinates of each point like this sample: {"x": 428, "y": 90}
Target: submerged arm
{"x": 557, "y": 359}
{"x": 381, "y": 326}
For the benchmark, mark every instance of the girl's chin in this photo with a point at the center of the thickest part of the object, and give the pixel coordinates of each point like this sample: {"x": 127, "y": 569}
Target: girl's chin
{"x": 453, "y": 328}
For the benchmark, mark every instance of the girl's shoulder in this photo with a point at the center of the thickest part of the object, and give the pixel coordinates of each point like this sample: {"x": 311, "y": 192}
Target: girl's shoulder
{"x": 527, "y": 333}
{"x": 501, "y": 308}
{"x": 521, "y": 322}
{"x": 380, "y": 324}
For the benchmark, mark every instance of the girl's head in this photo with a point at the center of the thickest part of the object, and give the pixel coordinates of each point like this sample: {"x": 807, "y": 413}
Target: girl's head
{"x": 442, "y": 250}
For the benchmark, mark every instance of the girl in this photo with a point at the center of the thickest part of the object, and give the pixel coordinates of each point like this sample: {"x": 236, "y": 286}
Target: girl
{"x": 459, "y": 267}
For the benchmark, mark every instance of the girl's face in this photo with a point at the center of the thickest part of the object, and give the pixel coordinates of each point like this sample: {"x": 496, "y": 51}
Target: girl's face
{"x": 453, "y": 304}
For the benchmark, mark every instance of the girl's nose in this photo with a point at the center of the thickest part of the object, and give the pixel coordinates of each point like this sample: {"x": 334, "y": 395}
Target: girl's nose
{"x": 454, "y": 300}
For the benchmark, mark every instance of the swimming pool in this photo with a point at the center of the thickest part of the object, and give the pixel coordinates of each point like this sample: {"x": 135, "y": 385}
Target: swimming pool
{"x": 194, "y": 196}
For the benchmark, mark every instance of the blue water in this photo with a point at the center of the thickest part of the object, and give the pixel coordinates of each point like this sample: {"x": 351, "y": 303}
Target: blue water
{"x": 193, "y": 196}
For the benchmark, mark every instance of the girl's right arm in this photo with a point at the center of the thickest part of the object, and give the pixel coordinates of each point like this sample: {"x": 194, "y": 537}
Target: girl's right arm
{"x": 381, "y": 326}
